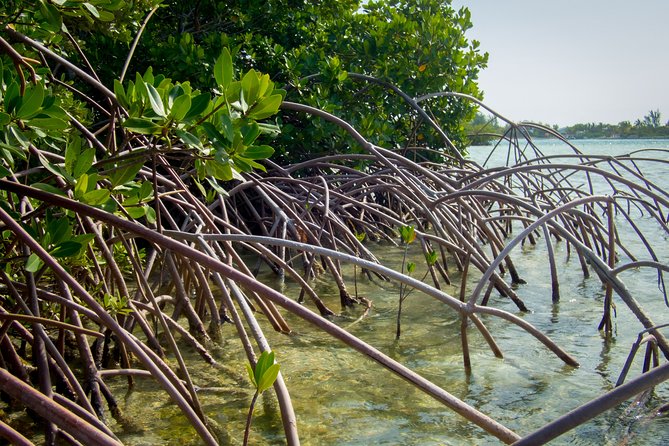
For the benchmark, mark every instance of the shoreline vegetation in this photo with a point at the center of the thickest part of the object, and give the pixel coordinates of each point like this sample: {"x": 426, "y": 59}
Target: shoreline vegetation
{"x": 482, "y": 130}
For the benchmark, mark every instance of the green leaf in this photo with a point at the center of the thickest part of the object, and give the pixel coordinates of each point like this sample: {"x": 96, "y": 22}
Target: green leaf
{"x": 4, "y": 119}
{"x": 266, "y": 107}
{"x": 81, "y": 187}
{"x": 145, "y": 190}
{"x": 265, "y": 360}
{"x": 96, "y": 197}
{"x": 55, "y": 169}
{"x": 83, "y": 162}
{"x": 219, "y": 170}
{"x": 83, "y": 239}
{"x": 140, "y": 88}
{"x": 223, "y": 71}
{"x": 411, "y": 267}
{"x": 34, "y": 263}
{"x": 120, "y": 94}
{"x": 4, "y": 172}
{"x": 180, "y": 107}
{"x": 66, "y": 249}
{"x": 48, "y": 123}
{"x": 143, "y": 126}
{"x": 156, "y": 101}
{"x": 31, "y": 102}
{"x": 148, "y": 76}
{"x": 258, "y": 152}
{"x": 106, "y": 16}
{"x": 17, "y": 136}
{"x": 189, "y": 138}
{"x": 135, "y": 211}
{"x": 268, "y": 378}
{"x": 243, "y": 164}
{"x": 12, "y": 96}
{"x": 125, "y": 173}
{"x": 250, "y": 86}
{"x": 150, "y": 214}
{"x": 72, "y": 153}
{"x": 227, "y": 127}
{"x": 198, "y": 105}
{"x": 92, "y": 9}
{"x": 407, "y": 234}
{"x": 249, "y": 133}
{"x": 271, "y": 129}
{"x": 51, "y": 15}
{"x": 251, "y": 373}
{"x": 212, "y": 132}
{"x": 217, "y": 187}
{"x": 48, "y": 188}
{"x": 59, "y": 229}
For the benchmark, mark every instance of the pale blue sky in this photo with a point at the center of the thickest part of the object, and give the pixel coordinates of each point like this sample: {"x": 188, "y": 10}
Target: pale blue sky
{"x": 569, "y": 61}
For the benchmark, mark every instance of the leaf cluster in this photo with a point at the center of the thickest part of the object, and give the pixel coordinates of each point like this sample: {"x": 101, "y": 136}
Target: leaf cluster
{"x": 69, "y": 135}
{"x": 265, "y": 372}
{"x": 418, "y": 45}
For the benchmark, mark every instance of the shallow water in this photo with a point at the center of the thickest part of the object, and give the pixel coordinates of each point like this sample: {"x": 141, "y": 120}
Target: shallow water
{"x": 342, "y": 398}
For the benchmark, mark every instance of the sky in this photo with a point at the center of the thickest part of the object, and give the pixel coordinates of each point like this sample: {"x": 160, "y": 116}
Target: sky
{"x": 573, "y": 61}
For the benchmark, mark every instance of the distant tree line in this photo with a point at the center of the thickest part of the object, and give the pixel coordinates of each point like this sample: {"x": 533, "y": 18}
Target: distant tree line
{"x": 650, "y": 126}
{"x": 480, "y": 130}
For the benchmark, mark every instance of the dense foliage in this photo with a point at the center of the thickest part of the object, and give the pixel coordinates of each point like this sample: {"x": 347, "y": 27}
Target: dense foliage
{"x": 309, "y": 47}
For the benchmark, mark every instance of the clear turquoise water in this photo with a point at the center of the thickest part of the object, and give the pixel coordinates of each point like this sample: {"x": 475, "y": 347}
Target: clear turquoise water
{"x": 342, "y": 398}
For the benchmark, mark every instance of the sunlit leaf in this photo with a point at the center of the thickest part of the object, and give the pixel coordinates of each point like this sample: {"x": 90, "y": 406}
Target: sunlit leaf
{"x": 180, "y": 107}
{"x": 268, "y": 378}
{"x": 266, "y": 107}
{"x": 156, "y": 101}
{"x": 34, "y": 263}
{"x": 92, "y": 9}
{"x": 150, "y": 214}
{"x": 143, "y": 126}
{"x": 251, "y": 373}
{"x": 96, "y": 197}
{"x": 223, "y": 71}
{"x": 250, "y": 87}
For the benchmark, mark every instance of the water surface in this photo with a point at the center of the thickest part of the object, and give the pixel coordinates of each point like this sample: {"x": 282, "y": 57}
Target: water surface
{"x": 342, "y": 398}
